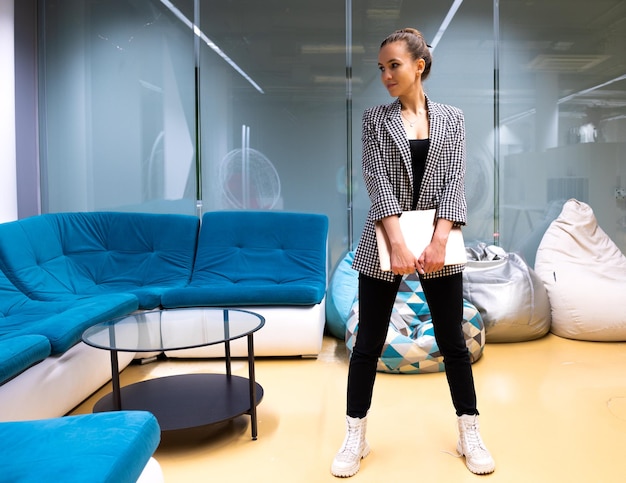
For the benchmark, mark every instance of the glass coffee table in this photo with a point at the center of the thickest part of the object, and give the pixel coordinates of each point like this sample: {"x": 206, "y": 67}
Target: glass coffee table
{"x": 187, "y": 400}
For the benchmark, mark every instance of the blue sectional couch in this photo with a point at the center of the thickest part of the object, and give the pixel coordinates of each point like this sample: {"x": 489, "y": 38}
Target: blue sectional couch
{"x": 61, "y": 273}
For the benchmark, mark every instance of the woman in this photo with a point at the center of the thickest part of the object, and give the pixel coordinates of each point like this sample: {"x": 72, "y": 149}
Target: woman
{"x": 413, "y": 158}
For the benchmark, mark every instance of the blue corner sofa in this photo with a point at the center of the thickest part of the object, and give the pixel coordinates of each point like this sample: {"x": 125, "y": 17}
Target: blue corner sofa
{"x": 61, "y": 273}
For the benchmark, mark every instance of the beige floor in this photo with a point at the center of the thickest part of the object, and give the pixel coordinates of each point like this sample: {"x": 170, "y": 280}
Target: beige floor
{"x": 553, "y": 410}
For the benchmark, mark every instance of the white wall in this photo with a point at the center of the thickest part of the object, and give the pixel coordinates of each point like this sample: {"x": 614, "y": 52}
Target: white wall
{"x": 8, "y": 181}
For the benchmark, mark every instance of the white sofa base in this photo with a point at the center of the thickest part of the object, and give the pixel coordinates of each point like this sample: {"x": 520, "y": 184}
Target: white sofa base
{"x": 152, "y": 472}
{"x": 288, "y": 331}
{"x": 56, "y": 385}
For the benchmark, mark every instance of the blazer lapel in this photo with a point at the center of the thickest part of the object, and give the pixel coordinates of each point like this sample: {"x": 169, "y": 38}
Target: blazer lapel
{"x": 437, "y": 133}
{"x": 394, "y": 127}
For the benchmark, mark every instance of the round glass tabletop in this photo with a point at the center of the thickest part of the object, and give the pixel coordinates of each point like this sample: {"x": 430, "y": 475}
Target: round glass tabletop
{"x": 173, "y": 329}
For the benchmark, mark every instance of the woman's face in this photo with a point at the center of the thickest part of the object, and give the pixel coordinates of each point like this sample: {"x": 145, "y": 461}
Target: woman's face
{"x": 399, "y": 73}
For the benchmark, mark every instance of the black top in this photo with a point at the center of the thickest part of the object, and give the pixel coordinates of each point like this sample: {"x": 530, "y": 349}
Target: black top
{"x": 419, "y": 151}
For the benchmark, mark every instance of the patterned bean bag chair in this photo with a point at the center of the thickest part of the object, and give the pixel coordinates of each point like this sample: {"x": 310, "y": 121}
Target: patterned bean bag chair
{"x": 584, "y": 273}
{"x": 410, "y": 347}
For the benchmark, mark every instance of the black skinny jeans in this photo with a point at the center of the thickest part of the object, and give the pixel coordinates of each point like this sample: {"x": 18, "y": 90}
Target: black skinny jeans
{"x": 444, "y": 296}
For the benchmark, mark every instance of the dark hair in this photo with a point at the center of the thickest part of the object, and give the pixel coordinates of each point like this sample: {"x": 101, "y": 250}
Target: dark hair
{"x": 415, "y": 44}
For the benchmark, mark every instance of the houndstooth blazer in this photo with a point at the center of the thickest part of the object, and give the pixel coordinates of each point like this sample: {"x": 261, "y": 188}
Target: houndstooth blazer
{"x": 388, "y": 175}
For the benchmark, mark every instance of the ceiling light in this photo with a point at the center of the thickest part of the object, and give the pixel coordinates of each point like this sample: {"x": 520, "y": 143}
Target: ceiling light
{"x": 383, "y": 13}
{"x": 330, "y": 49}
{"x": 591, "y": 89}
{"x": 530, "y": 112}
{"x": 562, "y": 46}
{"x": 196, "y": 30}
{"x": 334, "y": 79}
{"x": 446, "y": 21}
{"x": 566, "y": 62}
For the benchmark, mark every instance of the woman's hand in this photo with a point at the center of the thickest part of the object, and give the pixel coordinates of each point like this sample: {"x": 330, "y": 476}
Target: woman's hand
{"x": 432, "y": 258}
{"x": 403, "y": 261}
{"x": 434, "y": 255}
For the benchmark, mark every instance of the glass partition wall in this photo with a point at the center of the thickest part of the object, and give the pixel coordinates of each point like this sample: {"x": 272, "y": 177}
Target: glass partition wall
{"x": 562, "y": 124}
{"x": 187, "y": 106}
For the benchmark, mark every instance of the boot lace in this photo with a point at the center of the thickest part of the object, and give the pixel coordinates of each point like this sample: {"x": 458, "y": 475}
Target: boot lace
{"x": 473, "y": 442}
{"x": 351, "y": 445}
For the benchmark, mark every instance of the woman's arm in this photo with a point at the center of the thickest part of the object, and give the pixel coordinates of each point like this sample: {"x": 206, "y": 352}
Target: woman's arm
{"x": 452, "y": 205}
{"x": 374, "y": 165}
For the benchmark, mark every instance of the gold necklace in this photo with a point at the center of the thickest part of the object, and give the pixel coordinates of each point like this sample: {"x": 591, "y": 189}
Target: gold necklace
{"x": 411, "y": 124}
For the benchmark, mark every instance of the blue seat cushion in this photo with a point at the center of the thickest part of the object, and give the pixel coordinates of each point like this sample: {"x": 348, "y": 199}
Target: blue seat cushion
{"x": 104, "y": 447}
{"x": 257, "y": 258}
{"x": 19, "y": 353}
{"x": 62, "y": 322}
{"x": 65, "y": 329}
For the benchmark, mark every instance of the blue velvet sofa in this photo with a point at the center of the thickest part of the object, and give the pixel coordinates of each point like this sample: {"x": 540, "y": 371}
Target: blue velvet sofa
{"x": 61, "y": 273}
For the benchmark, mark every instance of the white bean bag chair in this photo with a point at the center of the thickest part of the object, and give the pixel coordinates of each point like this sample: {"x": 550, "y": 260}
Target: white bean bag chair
{"x": 510, "y": 296}
{"x": 410, "y": 346}
{"x": 584, "y": 273}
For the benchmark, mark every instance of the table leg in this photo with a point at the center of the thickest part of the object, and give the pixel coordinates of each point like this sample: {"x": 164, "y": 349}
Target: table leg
{"x": 115, "y": 381}
{"x": 251, "y": 379}
{"x": 227, "y": 343}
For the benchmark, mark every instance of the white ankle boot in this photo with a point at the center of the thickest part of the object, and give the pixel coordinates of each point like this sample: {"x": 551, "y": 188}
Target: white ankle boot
{"x": 348, "y": 460}
{"x": 477, "y": 458}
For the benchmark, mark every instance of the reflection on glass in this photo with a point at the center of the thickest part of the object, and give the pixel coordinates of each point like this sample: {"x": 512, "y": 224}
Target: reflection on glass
{"x": 118, "y": 101}
{"x": 563, "y": 129}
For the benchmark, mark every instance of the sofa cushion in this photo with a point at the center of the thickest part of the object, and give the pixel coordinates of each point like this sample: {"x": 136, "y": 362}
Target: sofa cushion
{"x": 65, "y": 329}
{"x": 62, "y": 322}
{"x": 19, "y": 353}
{"x": 55, "y": 256}
{"x": 105, "y": 447}
{"x": 257, "y": 258}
